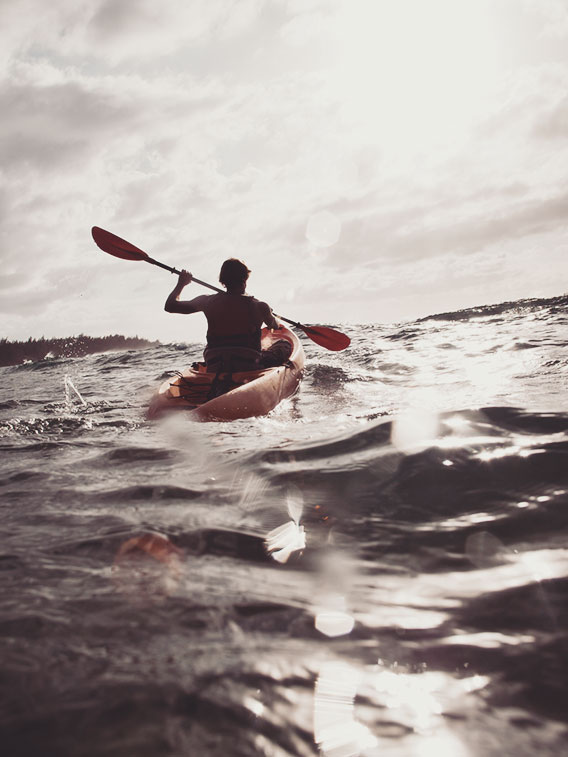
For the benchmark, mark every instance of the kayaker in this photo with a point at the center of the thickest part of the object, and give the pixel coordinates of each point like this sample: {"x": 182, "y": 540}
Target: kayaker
{"x": 234, "y": 321}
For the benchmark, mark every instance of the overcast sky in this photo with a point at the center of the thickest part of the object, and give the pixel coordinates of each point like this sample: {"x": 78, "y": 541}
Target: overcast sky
{"x": 370, "y": 160}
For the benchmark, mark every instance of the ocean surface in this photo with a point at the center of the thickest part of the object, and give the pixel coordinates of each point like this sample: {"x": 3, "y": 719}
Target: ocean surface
{"x": 378, "y": 567}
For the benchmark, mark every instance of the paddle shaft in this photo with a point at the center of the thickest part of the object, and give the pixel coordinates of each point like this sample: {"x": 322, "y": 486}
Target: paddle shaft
{"x": 175, "y": 270}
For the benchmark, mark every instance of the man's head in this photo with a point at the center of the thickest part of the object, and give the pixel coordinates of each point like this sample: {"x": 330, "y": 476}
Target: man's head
{"x": 234, "y": 275}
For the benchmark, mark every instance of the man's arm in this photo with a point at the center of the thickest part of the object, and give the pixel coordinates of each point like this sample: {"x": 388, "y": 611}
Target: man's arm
{"x": 268, "y": 317}
{"x": 173, "y": 304}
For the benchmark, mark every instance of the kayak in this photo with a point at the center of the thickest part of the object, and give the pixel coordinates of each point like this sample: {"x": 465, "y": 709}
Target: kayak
{"x": 251, "y": 393}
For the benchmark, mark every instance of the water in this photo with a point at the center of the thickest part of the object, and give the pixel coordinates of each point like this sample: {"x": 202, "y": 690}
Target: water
{"x": 378, "y": 567}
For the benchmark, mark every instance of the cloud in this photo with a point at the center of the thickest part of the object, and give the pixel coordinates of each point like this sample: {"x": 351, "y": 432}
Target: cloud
{"x": 49, "y": 125}
{"x": 64, "y": 104}
{"x": 78, "y": 147}
{"x": 32, "y": 292}
{"x": 553, "y": 125}
{"x": 419, "y": 233}
{"x": 554, "y": 13}
{"x": 112, "y": 33}
{"x": 204, "y": 129}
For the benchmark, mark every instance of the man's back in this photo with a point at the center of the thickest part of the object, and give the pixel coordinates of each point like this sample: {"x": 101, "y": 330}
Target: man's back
{"x": 230, "y": 314}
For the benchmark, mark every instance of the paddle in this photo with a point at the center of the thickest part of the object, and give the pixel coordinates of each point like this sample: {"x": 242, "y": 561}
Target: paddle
{"x": 120, "y": 248}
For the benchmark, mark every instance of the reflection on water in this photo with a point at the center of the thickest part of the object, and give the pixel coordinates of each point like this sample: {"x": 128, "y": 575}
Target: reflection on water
{"x": 415, "y": 428}
{"x": 336, "y": 730}
{"x": 379, "y": 568}
{"x": 413, "y": 703}
{"x": 290, "y": 537}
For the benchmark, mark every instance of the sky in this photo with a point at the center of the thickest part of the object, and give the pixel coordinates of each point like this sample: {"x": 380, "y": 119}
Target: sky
{"x": 370, "y": 160}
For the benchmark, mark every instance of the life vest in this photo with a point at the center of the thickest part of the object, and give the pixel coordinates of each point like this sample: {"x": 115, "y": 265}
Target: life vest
{"x": 235, "y": 352}
{"x": 250, "y": 341}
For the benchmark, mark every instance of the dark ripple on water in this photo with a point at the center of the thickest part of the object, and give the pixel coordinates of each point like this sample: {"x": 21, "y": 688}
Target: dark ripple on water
{"x": 366, "y": 571}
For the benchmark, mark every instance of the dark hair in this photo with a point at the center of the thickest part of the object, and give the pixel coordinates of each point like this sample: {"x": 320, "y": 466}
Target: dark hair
{"x": 233, "y": 273}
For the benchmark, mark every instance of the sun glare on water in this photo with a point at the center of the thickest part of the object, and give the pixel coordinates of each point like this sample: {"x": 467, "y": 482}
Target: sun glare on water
{"x": 412, "y": 74}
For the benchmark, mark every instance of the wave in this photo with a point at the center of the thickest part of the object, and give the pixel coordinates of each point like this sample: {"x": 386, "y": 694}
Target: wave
{"x": 144, "y": 492}
{"x": 9, "y": 405}
{"x": 43, "y": 366}
{"x": 499, "y": 466}
{"x": 128, "y": 454}
{"x": 554, "y": 304}
{"x": 58, "y": 426}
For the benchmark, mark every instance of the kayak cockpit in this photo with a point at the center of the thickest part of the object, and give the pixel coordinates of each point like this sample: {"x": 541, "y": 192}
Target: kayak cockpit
{"x": 229, "y": 396}
{"x": 199, "y": 386}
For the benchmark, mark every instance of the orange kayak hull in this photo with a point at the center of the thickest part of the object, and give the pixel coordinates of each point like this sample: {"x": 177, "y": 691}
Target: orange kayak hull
{"x": 257, "y": 393}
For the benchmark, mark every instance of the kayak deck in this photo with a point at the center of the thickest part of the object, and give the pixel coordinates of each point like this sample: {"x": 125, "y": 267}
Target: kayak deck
{"x": 251, "y": 393}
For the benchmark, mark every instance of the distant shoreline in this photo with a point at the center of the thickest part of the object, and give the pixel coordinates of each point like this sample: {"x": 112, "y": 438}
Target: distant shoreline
{"x": 34, "y": 350}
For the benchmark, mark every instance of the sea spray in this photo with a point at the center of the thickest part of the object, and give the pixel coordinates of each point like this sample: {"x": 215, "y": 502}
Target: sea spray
{"x": 71, "y": 391}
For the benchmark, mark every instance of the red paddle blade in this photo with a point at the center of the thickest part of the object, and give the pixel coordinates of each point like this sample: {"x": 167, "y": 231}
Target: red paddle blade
{"x": 326, "y": 337}
{"x": 116, "y": 246}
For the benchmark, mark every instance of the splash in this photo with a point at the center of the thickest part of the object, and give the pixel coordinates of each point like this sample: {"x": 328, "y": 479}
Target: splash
{"x": 72, "y": 392}
{"x": 290, "y": 537}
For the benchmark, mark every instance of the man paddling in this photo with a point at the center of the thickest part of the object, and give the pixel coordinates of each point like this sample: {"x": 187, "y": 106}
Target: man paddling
{"x": 234, "y": 322}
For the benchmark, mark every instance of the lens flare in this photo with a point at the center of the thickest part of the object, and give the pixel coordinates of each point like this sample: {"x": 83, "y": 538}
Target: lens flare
{"x": 323, "y": 229}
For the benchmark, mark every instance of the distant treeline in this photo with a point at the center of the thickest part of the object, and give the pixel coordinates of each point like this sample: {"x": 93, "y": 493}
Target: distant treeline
{"x": 14, "y": 353}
